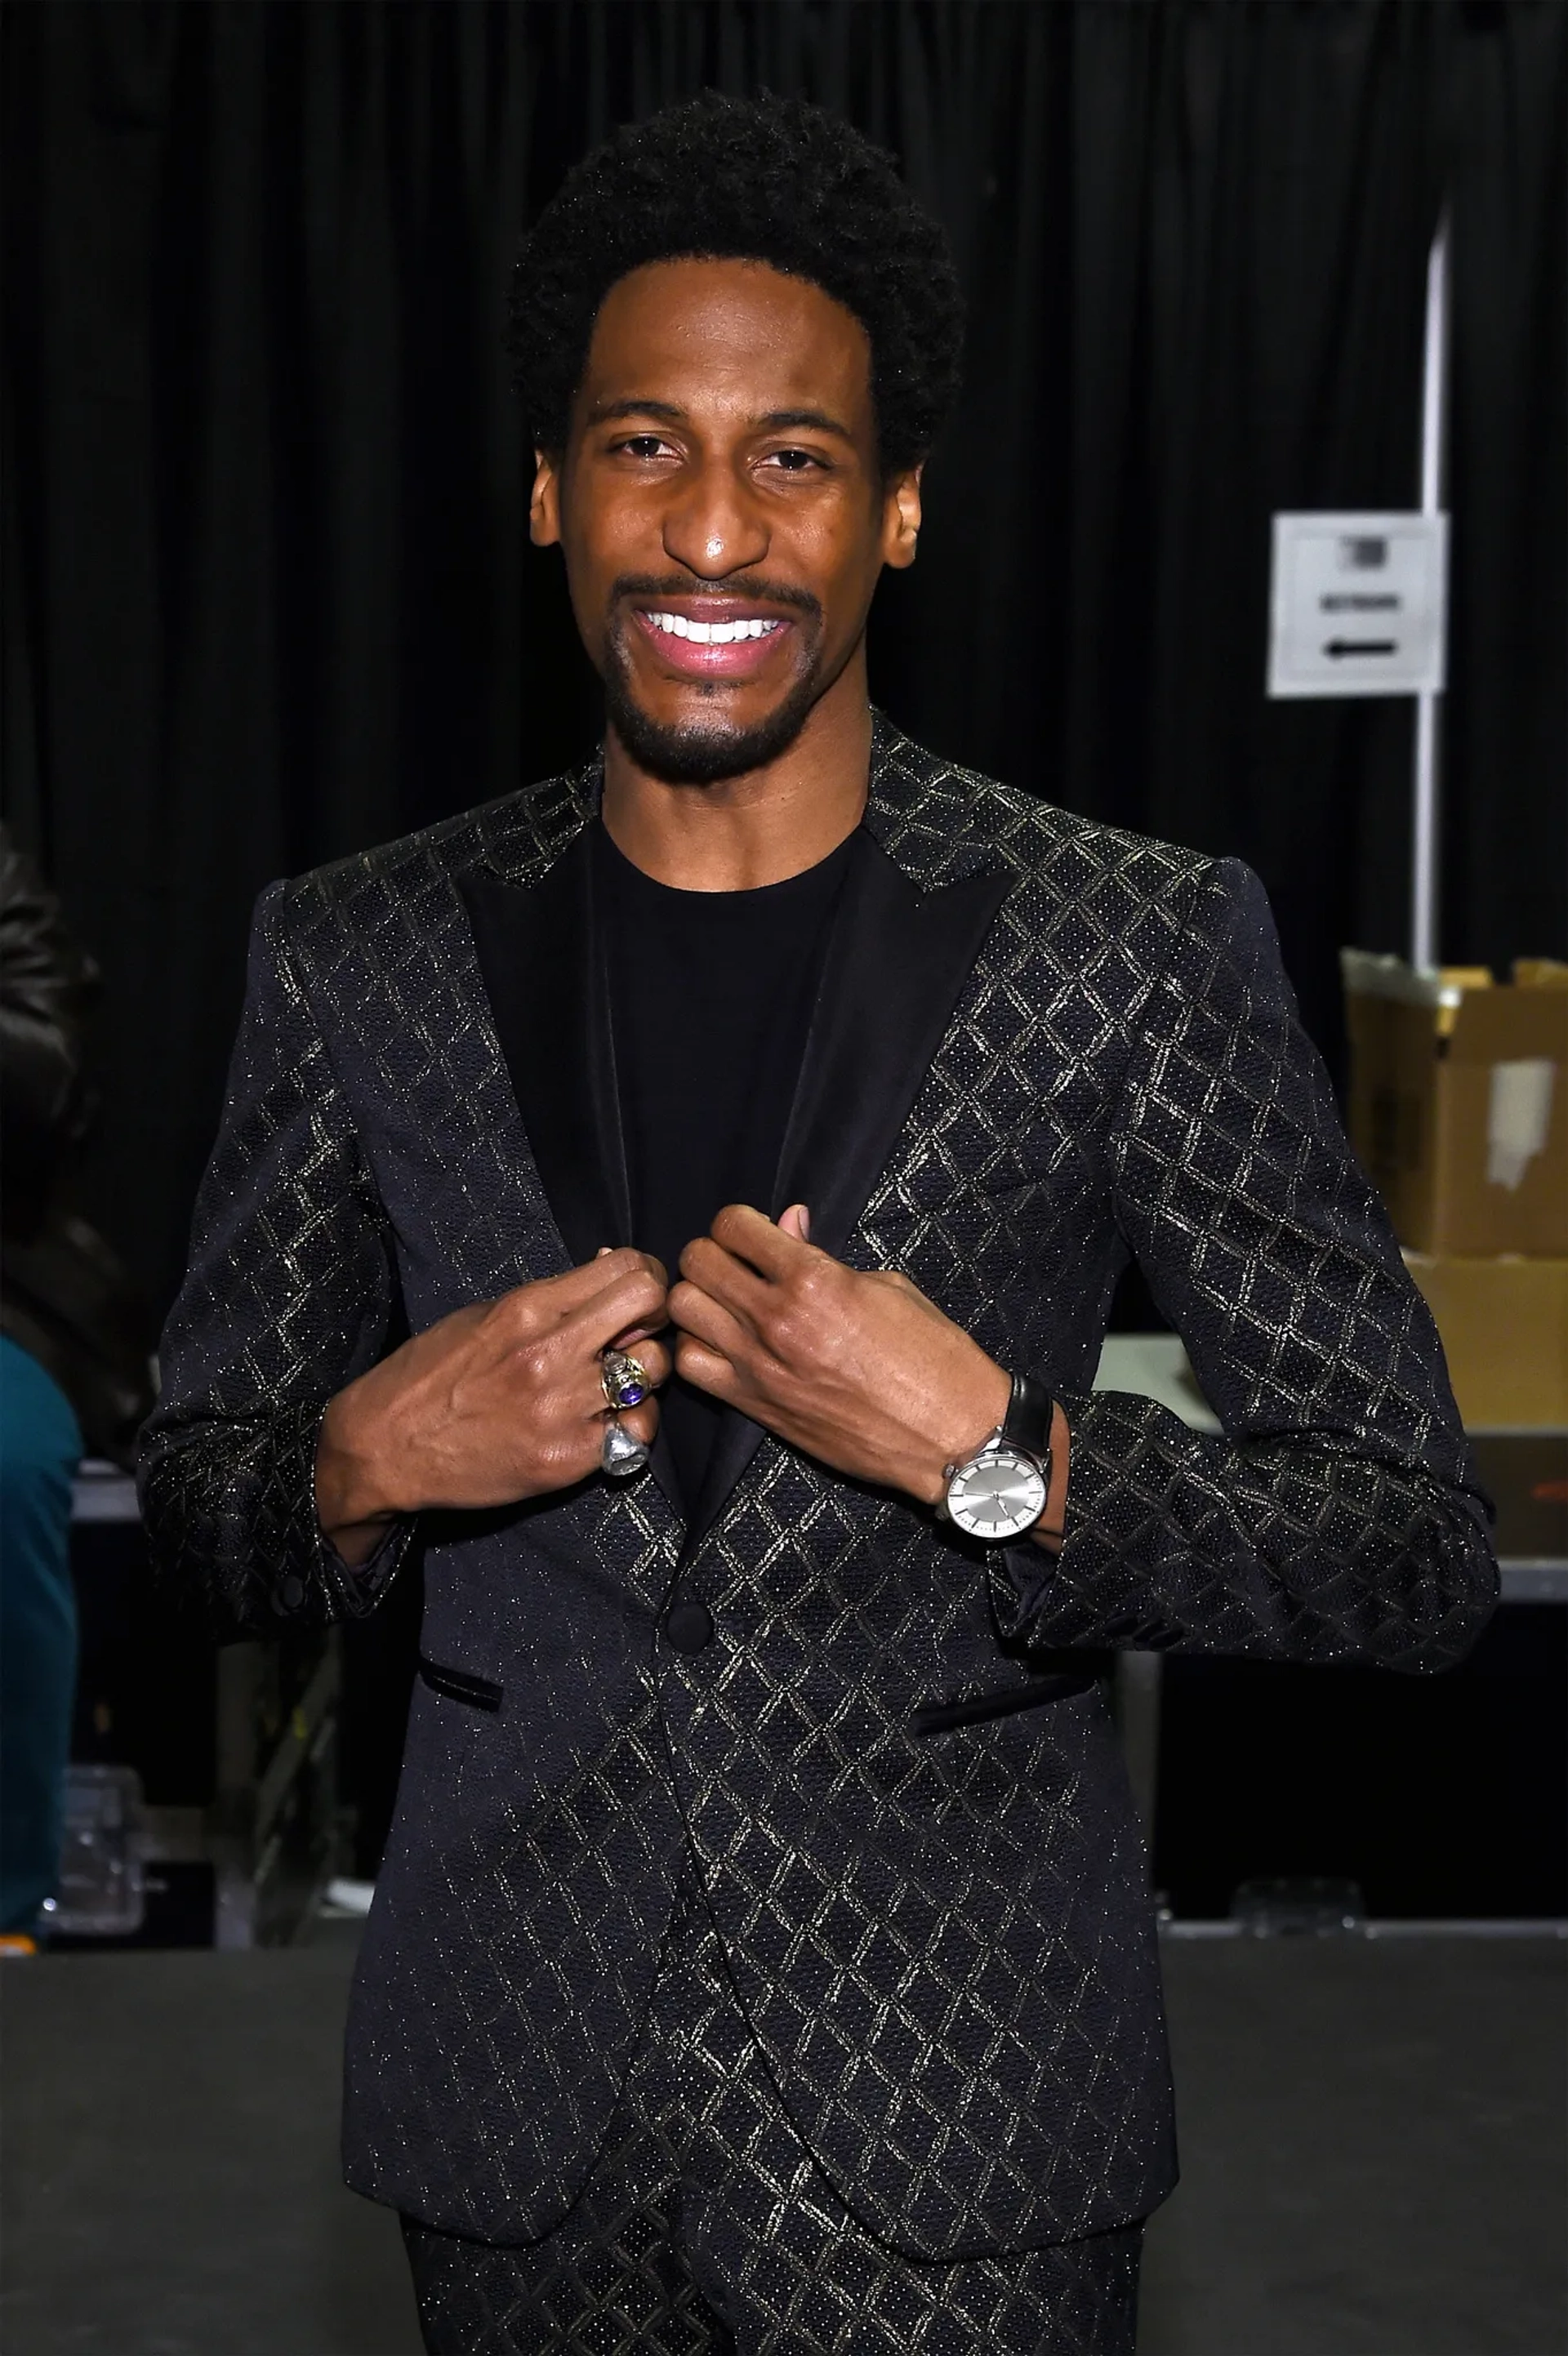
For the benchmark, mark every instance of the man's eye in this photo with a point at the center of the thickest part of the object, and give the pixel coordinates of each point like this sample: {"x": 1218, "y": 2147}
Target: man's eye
{"x": 644, "y": 446}
{"x": 793, "y": 462}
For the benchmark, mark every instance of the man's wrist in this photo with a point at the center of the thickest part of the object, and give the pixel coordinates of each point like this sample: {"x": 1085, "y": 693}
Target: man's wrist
{"x": 355, "y": 1503}
{"x": 975, "y": 1420}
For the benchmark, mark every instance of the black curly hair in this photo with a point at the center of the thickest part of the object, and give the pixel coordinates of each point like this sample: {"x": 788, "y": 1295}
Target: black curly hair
{"x": 767, "y": 179}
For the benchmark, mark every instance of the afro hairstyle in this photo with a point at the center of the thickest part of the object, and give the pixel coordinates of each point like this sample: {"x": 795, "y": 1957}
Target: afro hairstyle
{"x": 767, "y": 179}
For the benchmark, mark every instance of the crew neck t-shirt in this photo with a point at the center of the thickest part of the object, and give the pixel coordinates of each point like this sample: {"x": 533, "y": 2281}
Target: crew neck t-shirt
{"x": 710, "y": 997}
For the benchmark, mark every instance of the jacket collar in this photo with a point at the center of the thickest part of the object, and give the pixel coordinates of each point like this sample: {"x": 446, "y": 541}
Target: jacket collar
{"x": 935, "y": 822}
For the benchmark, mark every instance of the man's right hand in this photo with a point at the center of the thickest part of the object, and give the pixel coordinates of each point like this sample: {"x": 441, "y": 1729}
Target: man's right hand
{"x": 495, "y": 1403}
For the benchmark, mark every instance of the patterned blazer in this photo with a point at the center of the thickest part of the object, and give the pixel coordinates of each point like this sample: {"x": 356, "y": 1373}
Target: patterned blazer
{"x": 1040, "y": 1045}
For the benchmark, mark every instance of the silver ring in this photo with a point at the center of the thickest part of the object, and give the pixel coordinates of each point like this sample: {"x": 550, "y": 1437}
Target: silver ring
{"x": 623, "y": 1379}
{"x": 620, "y": 1454}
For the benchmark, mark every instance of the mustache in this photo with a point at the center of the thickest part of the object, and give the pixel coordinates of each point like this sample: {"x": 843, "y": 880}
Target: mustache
{"x": 736, "y": 585}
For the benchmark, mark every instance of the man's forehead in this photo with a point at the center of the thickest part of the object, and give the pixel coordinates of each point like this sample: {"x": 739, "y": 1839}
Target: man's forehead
{"x": 674, "y": 336}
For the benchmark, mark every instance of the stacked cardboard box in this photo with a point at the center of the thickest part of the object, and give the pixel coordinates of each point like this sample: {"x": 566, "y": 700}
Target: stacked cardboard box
{"x": 1459, "y": 1113}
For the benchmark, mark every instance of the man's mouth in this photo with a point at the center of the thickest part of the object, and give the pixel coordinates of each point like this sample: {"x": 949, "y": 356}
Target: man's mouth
{"x": 713, "y": 637}
{"x": 712, "y": 634}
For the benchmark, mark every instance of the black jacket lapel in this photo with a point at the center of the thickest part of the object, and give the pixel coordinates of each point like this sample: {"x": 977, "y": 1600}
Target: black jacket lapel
{"x": 539, "y": 960}
{"x": 896, "y": 961}
{"x": 542, "y": 963}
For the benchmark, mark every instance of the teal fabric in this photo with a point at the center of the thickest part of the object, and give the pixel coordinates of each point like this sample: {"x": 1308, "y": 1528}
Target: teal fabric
{"x": 40, "y": 1447}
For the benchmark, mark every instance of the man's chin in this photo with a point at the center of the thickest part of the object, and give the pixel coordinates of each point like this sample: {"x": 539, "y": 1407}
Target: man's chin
{"x": 706, "y": 751}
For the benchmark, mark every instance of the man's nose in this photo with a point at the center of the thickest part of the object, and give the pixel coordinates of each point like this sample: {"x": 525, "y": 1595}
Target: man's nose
{"x": 714, "y": 527}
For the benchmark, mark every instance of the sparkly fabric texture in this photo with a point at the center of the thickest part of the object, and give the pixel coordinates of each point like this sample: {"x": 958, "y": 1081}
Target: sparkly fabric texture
{"x": 706, "y": 2226}
{"x": 942, "y": 1941}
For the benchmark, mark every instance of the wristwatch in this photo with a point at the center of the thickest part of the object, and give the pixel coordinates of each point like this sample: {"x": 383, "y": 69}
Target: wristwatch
{"x": 1000, "y": 1491}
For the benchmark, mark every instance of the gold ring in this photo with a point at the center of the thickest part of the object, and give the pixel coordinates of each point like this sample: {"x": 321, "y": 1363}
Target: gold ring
{"x": 623, "y": 1379}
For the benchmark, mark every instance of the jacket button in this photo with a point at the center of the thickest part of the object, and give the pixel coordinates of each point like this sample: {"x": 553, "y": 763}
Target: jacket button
{"x": 689, "y": 1625}
{"x": 291, "y": 1592}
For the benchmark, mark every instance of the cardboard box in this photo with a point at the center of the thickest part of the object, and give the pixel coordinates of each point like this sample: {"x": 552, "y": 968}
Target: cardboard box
{"x": 1459, "y": 1102}
{"x": 1504, "y": 1324}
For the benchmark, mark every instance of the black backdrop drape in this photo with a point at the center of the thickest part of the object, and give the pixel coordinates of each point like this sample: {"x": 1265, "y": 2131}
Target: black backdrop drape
{"x": 267, "y": 596}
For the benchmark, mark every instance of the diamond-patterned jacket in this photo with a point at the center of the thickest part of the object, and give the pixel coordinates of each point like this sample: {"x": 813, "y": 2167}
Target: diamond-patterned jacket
{"x": 1040, "y": 1045}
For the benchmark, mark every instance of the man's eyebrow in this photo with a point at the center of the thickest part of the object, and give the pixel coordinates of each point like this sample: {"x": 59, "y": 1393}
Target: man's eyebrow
{"x": 604, "y": 412}
{"x": 777, "y": 420}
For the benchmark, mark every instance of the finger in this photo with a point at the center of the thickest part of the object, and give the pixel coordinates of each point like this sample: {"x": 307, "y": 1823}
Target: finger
{"x": 709, "y": 1370}
{"x": 628, "y": 1257}
{"x": 625, "y": 1295}
{"x": 642, "y": 1421}
{"x": 796, "y": 1222}
{"x": 553, "y": 1297}
{"x": 635, "y": 1335}
{"x": 611, "y": 1262}
{"x": 753, "y": 1239}
{"x": 704, "y": 1319}
{"x": 574, "y": 1390}
{"x": 724, "y": 1277}
{"x": 654, "y": 1357}
{"x": 632, "y": 1300}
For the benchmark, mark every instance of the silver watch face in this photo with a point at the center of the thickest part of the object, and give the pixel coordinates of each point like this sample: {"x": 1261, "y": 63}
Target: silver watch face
{"x": 998, "y": 1495}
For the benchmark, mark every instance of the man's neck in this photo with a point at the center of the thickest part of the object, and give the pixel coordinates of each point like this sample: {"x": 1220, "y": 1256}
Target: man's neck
{"x": 759, "y": 827}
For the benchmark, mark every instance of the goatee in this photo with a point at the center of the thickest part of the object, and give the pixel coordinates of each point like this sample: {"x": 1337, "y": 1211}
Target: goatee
{"x": 704, "y": 752}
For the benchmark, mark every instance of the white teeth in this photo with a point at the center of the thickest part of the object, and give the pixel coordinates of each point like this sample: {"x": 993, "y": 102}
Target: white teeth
{"x": 711, "y": 633}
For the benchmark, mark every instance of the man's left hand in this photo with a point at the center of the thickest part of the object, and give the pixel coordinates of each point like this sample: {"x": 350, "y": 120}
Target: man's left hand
{"x": 860, "y": 1371}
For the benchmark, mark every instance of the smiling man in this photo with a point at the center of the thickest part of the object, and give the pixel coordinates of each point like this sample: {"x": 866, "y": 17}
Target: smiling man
{"x": 684, "y": 1199}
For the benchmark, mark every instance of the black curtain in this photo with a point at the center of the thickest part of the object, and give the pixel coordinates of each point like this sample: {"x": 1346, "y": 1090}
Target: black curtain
{"x": 267, "y": 594}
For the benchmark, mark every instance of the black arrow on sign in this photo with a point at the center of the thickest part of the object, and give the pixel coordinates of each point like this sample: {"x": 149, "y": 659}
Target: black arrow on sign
{"x": 1338, "y": 648}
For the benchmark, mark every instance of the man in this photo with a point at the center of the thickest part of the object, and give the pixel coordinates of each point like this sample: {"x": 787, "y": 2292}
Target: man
{"x": 762, "y": 1958}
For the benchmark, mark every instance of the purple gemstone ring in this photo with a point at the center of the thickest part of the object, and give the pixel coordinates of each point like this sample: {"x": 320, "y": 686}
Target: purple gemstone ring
{"x": 624, "y": 1379}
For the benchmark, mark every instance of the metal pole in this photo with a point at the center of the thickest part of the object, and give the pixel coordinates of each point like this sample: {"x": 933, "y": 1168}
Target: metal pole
{"x": 1434, "y": 419}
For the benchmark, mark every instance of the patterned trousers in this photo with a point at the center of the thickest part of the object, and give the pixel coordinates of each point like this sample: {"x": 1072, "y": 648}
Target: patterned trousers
{"x": 707, "y": 2226}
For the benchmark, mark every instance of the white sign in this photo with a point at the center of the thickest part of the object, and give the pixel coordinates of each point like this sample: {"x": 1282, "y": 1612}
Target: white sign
{"x": 1358, "y": 605}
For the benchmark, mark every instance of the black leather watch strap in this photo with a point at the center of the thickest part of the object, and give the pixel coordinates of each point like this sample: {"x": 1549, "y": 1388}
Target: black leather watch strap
{"x": 1028, "y": 1419}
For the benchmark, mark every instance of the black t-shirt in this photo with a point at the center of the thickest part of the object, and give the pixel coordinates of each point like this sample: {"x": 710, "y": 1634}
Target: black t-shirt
{"x": 710, "y": 997}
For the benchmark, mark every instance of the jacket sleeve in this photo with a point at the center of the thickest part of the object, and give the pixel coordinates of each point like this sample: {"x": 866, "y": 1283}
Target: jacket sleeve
{"x": 1337, "y": 1518}
{"x": 290, "y": 1293}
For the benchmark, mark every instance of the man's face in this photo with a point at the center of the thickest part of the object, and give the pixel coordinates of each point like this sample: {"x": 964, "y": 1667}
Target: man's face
{"x": 722, "y": 511}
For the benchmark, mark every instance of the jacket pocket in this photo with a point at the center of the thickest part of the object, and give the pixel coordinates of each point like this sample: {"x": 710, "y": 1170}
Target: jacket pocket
{"x": 457, "y": 1685}
{"x": 940, "y": 1717}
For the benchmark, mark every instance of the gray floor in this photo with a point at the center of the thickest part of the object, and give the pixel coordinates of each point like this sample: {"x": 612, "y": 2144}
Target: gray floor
{"x": 1374, "y": 2148}
{"x": 1373, "y": 2138}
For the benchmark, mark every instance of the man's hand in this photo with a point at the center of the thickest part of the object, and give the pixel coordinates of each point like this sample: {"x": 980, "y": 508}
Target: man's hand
{"x": 860, "y": 1371}
{"x": 495, "y": 1403}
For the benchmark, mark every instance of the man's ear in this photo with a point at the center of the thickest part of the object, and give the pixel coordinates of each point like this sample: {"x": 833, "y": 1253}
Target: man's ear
{"x": 544, "y": 506}
{"x": 901, "y": 519}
